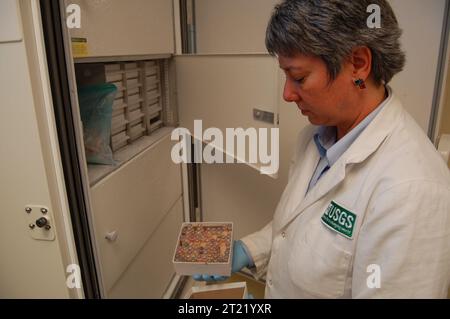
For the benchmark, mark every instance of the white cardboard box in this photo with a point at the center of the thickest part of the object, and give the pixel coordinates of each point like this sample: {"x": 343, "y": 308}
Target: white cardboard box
{"x": 234, "y": 290}
{"x": 222, "y": 268}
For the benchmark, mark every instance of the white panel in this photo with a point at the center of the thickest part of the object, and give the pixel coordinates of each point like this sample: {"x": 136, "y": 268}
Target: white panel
{"x": 149, "y": 275}
{"x": 422, "y": 25}
{"x": 28, "y": 268}
{"x": 222, "y": 91}
{"x": 10, "y": 29}
{"x": 232, "y": 26}
{"x": 133, "y": 201}
{"x": 132, "y": 27}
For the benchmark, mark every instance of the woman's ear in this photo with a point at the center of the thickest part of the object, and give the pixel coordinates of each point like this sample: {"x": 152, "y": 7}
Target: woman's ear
{"x": 361, "y": 60}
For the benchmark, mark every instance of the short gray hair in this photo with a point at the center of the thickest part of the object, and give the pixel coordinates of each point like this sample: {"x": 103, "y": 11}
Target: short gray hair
{"x": 330, "y": 29}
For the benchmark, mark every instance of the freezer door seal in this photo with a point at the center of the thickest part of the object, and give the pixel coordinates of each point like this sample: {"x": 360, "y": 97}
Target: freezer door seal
{"x": 59, "y": 81}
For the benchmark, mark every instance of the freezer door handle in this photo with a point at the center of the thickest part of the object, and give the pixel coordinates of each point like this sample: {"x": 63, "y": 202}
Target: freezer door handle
{"x": 112, "y": 236}
{"x": 263, "y": 116}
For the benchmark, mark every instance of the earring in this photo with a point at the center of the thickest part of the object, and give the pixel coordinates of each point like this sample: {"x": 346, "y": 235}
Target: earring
{"x": 360, "y": 83}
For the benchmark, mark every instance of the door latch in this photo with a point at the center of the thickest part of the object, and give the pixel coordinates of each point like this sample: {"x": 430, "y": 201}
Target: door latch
{"x": 39, "y": 222}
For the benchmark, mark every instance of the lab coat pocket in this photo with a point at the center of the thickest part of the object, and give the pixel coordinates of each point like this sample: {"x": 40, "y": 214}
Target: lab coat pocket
{"x": 317, "y": 265}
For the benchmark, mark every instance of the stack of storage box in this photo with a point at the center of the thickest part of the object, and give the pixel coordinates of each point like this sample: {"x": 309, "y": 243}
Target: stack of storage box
{"x": 153, "y": 95}
{"x": 119, "y": 137}
{"x": 138, "y": 107}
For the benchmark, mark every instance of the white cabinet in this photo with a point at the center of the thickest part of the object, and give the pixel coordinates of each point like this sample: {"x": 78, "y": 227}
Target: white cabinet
{"x": 131, "y": 27}
{"x": 149, "y": 273}
{"x": 132, "y": 203}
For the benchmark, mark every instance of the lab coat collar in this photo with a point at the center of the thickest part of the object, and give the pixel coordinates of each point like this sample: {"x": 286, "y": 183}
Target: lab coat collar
{"x": 365, "y": 145}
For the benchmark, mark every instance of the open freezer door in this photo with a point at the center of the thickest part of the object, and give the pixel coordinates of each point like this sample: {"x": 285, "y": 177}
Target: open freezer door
{"x": 236, "y": 94}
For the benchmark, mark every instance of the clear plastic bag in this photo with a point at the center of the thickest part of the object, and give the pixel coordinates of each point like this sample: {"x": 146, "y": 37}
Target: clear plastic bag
{"x": 96, "y": 109}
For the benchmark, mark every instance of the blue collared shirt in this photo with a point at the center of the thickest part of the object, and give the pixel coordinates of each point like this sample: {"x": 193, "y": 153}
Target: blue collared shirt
{"x": 330, "y": 150}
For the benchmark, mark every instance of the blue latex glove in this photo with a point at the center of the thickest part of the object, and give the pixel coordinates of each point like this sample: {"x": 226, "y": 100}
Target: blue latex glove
{"x": 240, "y": 260}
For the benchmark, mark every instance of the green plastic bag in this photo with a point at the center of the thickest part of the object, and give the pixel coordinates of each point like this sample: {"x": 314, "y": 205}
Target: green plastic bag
{"x": 96, "y": 109}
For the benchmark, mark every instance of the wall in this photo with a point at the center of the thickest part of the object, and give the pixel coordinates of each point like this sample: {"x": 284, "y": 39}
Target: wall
{"x": 422, "y": 27}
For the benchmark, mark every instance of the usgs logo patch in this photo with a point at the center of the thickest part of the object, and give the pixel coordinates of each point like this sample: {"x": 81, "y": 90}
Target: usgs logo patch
{"x": 339, "y": 219}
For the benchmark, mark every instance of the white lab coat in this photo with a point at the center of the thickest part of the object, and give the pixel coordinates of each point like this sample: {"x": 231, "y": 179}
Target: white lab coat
{"x": 396, "y": 184}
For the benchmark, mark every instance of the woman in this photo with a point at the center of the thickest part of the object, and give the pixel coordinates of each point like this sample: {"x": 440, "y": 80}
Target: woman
{"x": 366, "y": 212}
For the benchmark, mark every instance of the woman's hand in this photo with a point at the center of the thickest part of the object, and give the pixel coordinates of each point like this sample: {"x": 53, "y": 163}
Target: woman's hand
{"x": 240, "y": 261}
